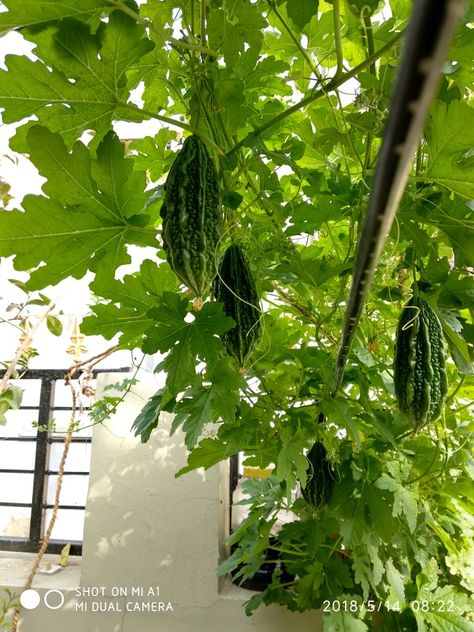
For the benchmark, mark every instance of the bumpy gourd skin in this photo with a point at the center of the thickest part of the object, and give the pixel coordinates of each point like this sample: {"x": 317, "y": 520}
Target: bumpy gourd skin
{"x": 419, "y": 367}
{"x": 234, "y": 286}
{"x": 192, "y": 216}
{"x": 320, "y": 482}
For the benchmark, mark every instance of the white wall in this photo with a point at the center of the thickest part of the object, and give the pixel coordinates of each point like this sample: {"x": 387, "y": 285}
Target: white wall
{"x": 144, "y": 528}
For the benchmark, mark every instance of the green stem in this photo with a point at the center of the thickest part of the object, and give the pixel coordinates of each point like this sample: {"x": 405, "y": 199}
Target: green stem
{"x": 336, "y": 12}
{"x": 149, "y": 24}
{"x": 202, "y": 16}
{"x": 348, "y": 132}
{"x": 418, "y": 160}
{"x": 333, "y": 241}
{"x": 452, "y": 395}
{"x": 301, "y": 309}
{"x": 203, "y": 107}
{"x": 370, "y": 39}
{"x": 333, "y": 547}
{"x": 334, "y": 83}
{"x": 370, "y": 49}
{"x": 404, "y": 435}
{"x": 428, "y": 469}
{"x": 191, "y": 18}
{"x": 438, "y": 471}
{"x": 140, "y": 229}
{"x": 170, "y": 121}
{"x": 418, "y": 179}
{"x": 295, "y": 40}
{"x": 280, "y": 549}
{"x": 333, "y": 309}
{"x": 464, "y": 407}
{"x": 368, "y": 154}
{"x": 165, "y": 119}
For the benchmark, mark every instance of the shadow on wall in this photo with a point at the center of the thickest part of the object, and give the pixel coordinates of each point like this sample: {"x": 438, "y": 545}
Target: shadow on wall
{"x": 143, "y": 526}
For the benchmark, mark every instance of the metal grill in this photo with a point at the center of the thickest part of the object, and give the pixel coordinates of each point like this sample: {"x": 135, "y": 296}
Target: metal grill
{"x": 43, "y": 440}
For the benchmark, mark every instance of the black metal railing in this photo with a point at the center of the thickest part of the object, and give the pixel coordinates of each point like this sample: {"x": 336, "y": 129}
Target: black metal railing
{"x": 43, "y": 439}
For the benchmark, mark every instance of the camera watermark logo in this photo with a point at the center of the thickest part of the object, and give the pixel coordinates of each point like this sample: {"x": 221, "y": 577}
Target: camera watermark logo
{"x": 100, "y": 599}
{"x": 30, "y": 599}
{"x": 53, "y": 599}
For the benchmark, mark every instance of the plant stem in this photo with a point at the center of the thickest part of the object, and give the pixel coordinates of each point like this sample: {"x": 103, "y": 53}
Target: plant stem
{"x": 281, "y": 549}
{"x": 451, "y": 397}
{"x": 170, "y": 121}
{"x": 297, "y": 306}
{"x": 26, "y": 342}
{"x": 334, "y": 83}
{"x": 336, "y": 12}
{"x": 202, "y": 17}
{"x": 174, "y": 42}
{"x": 370, "y": 39}
{"x": 140, "y": 229}
{"x": 348, "y": 132}
{"x": 165, "y": 119}
{"x": 191, "y": 19}
{"x": 370, "y": 50}
{"x": 428, "y": 469}
{"x": 304, "y": 53}
{"x": 418, "y": 160}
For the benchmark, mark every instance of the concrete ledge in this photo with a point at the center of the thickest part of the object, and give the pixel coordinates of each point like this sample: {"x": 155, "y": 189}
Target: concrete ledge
{"x": 16, "y": 567}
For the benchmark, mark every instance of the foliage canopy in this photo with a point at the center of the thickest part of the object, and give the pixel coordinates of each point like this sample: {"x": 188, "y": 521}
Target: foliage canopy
{"x": 290, "y": 97}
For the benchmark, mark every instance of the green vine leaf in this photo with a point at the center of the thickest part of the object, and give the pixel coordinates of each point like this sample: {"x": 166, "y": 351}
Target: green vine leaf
{"x": 77, "y": 227}
{"x": 209, "y": 452}
{"x": 184, "y": 340}
{"x": 27, "y": 13}
{"x": 450, "y": 135}
{"x": 395, "y": 581}
{"x": 148, "y": 418}
{"x": 405, "y": 500}
{"x": 128, "y": 303}
{"x": 88, "y": 89}
{"x": 292, "y": 463}
{"x": 301, "y": 11}
{"x": 343, "y": 622}
{"x": 212, "y": 401}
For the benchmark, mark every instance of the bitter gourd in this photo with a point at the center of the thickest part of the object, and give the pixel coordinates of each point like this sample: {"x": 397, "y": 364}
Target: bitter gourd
{"x": 234, "y": 286}
{"x": 419, "y": 366}
{"x": 192, "y": 216}
{"x": 320, "y": 483}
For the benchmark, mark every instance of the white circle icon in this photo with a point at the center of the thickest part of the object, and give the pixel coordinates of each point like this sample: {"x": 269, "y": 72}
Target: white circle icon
{"x": 56, "y": 602}
{"x": 30, "y": 599}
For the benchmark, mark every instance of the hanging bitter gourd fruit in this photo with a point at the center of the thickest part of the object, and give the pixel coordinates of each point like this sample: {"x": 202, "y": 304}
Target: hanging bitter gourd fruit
{"x": 320, "y": 483}
{"x": 192, "y": 216}
{"x": 234, "y": 286}
{"x": 419, "y": 366}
